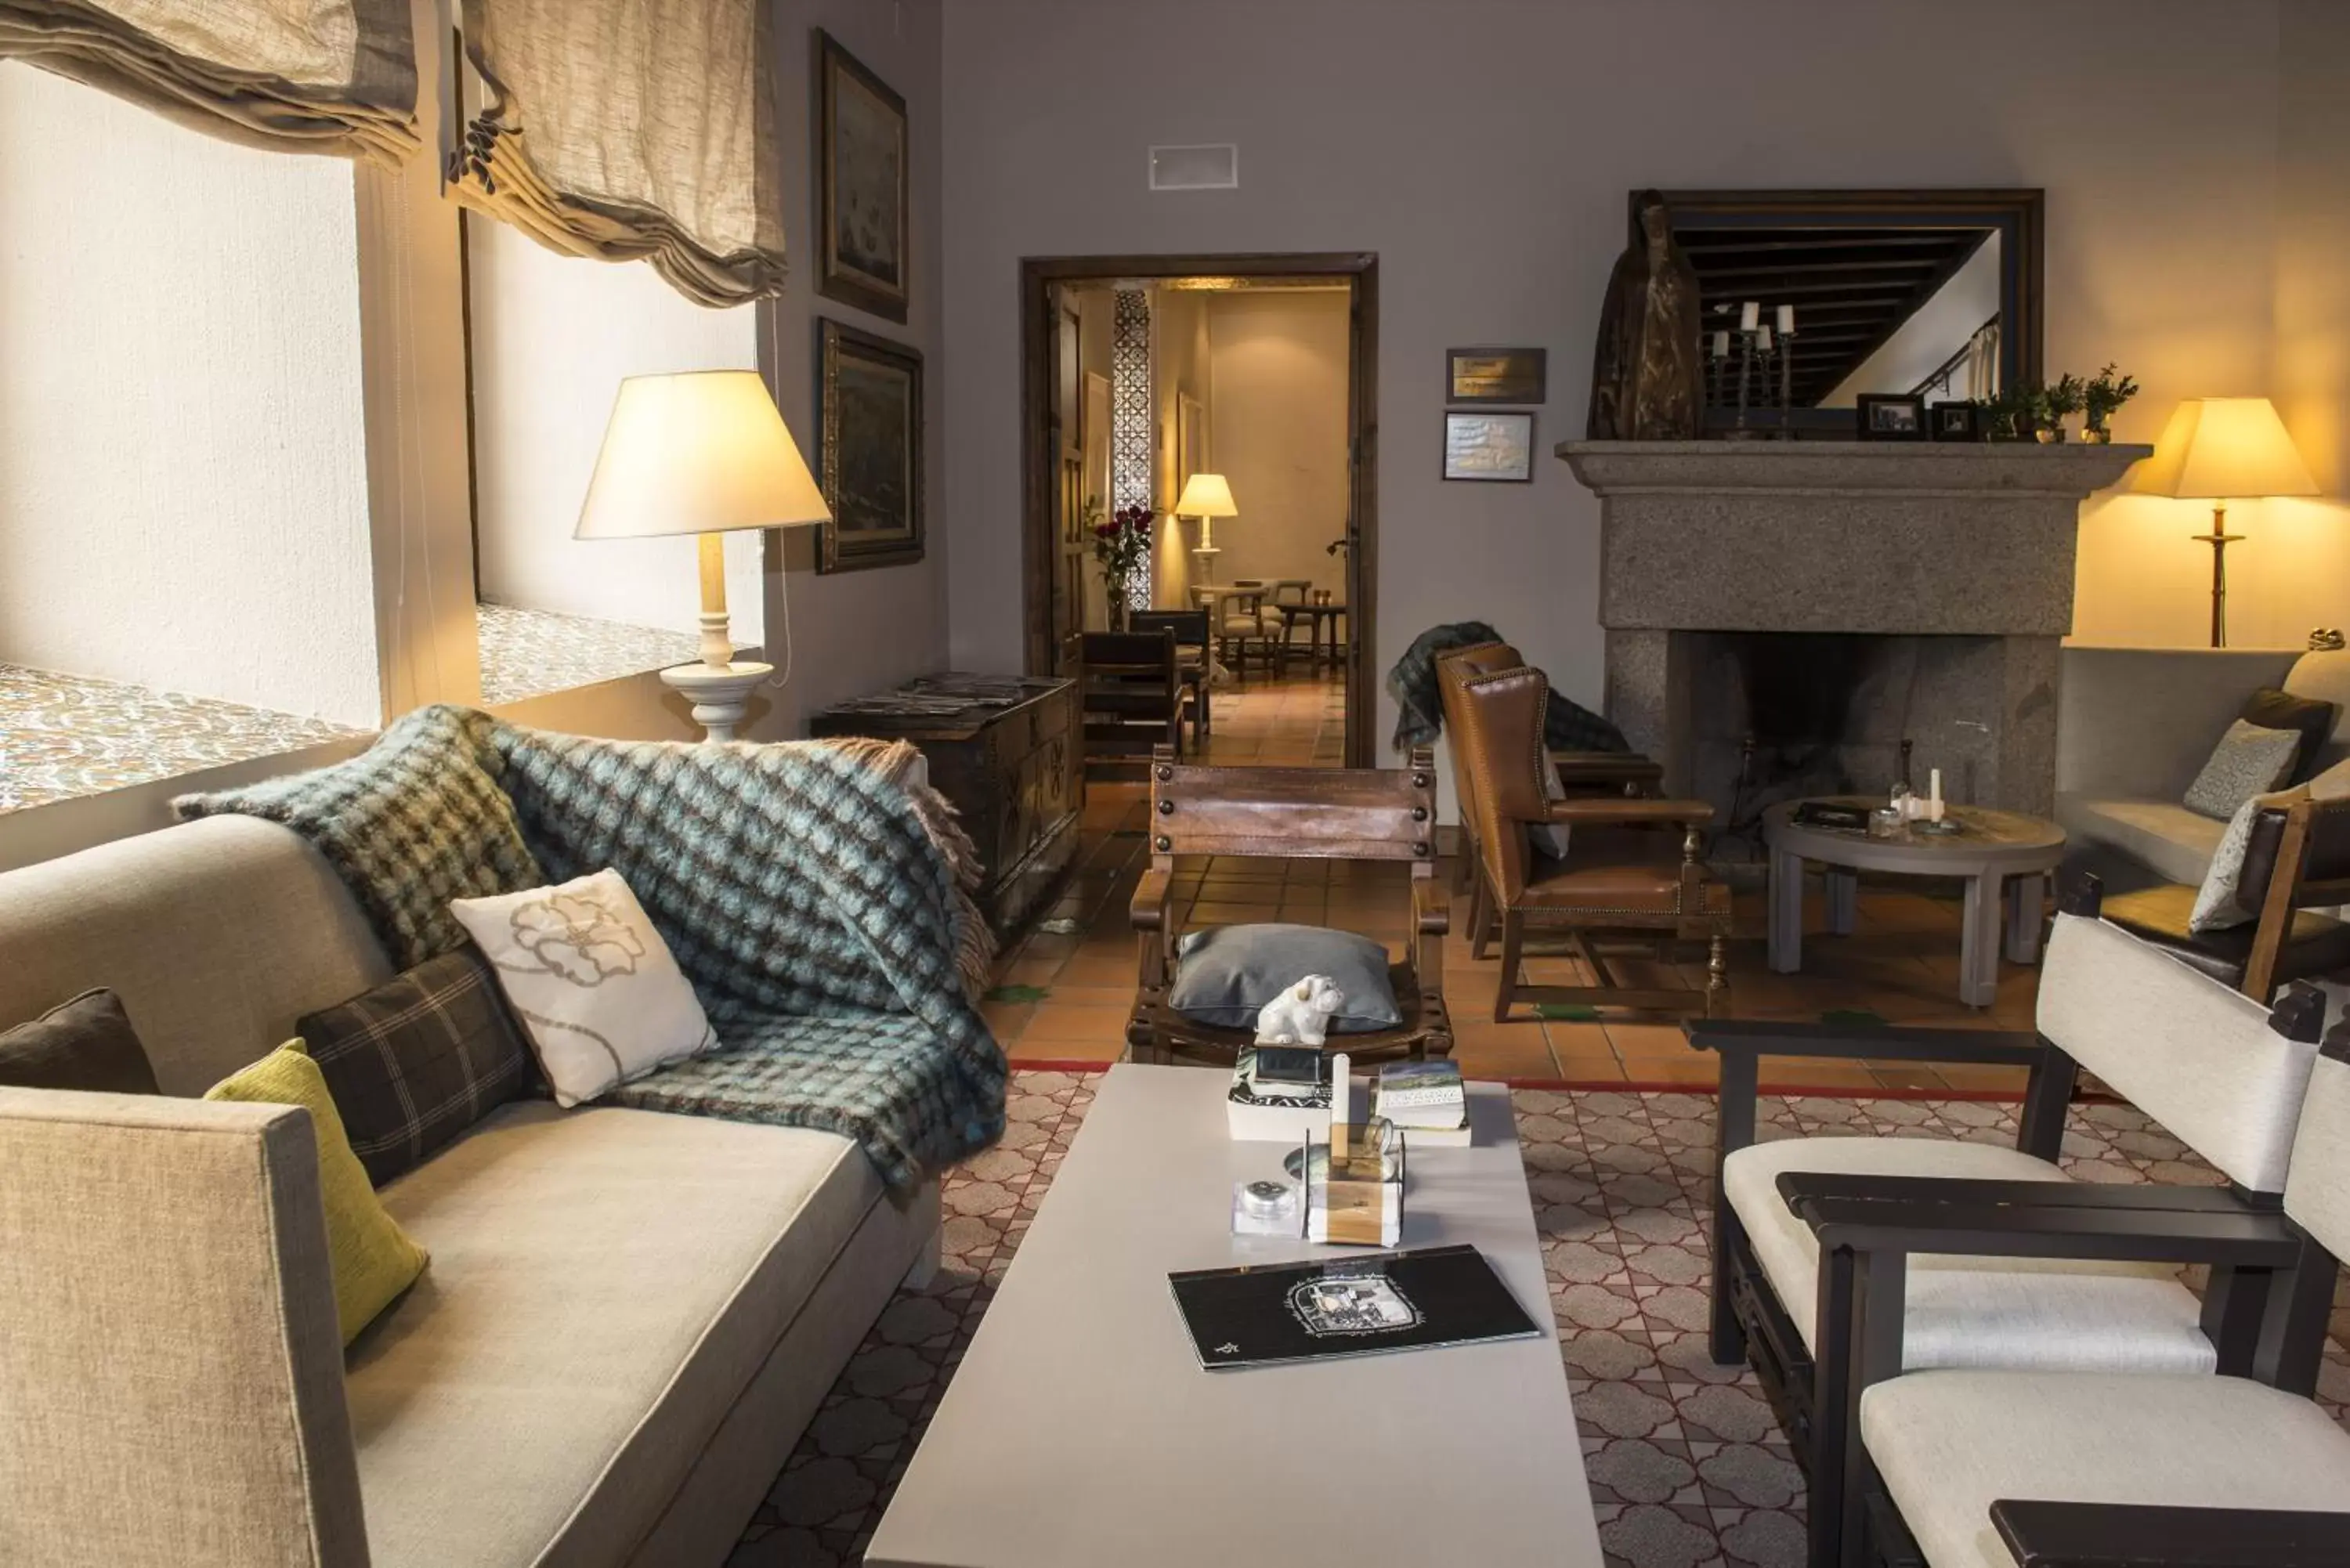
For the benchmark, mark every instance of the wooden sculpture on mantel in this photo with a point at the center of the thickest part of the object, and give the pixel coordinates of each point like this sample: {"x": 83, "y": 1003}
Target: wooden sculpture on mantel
{"x": 1647, "y": 381}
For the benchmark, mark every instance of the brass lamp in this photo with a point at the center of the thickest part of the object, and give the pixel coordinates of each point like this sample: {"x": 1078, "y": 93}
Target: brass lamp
{"x": 704, "y": 451}
{"x": 2219, "y": 450}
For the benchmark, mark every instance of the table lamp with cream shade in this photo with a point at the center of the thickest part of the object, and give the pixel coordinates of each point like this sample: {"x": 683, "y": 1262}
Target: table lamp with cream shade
{"x": 702, "y": 452}
{"x": 1207, "y": 497}
{"x": 2221, "y": 449}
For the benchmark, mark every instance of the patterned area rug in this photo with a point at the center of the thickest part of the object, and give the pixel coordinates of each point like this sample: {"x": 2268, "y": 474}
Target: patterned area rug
{"x": 1687, "y": 1467}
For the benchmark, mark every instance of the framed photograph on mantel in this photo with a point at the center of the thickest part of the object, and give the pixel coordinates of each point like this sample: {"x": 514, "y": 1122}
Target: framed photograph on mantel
{"x": 870, "y": 415}
{"x": 1496, "y": 375}
{"x": 865, "y": 231}
{"x": 1494, "y": 449}
{"x": 1891, "y": 416}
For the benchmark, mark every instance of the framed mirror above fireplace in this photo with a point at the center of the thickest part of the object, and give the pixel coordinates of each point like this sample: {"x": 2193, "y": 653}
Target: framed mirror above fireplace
{"x": 1930, "y": 293}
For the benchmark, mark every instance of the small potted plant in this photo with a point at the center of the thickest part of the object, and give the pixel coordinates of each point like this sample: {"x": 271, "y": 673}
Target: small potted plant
{"x": 1122, "y": 546}
{"x": 2100, "y": 399}
{"x": 2056, "y": 404}
{"x": 2005, "y": 414}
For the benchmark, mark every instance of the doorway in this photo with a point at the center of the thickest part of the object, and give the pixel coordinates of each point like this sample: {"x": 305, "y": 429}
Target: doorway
{"x": 1074, "y": 469}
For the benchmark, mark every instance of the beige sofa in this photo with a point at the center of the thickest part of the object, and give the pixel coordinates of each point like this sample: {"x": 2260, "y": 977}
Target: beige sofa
{"x": 629, "y": 1318}
{"x": 2135, "y": 725}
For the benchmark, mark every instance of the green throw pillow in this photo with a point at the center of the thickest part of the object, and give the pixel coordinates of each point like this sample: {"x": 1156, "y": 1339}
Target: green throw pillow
{"x": 373, "y": 1257}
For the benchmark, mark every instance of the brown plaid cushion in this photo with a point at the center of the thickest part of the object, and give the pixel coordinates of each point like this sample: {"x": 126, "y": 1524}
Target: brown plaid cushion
{"x": 419, "y": 1059}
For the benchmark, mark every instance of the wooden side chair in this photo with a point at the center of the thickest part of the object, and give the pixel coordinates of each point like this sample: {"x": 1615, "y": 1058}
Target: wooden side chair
{"x": 1634, "y": 869}
{"x": 2297, "y": 862}
{"x": 1291, "y": 814}
{"x": 1192, "y": 652}
{"x": 1956, "y": 1468}
{"x": 1130, "y": 691}
{"x": 1241, "y": 631}
{"x": 2220, "y": 1072}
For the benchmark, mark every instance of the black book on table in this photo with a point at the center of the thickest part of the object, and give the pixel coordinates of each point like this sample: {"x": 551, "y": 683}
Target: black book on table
{"x": 1265, "y": 1315}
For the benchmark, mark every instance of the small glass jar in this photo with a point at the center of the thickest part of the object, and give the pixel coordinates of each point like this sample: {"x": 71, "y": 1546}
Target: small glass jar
{"x": 1886, "y": 822}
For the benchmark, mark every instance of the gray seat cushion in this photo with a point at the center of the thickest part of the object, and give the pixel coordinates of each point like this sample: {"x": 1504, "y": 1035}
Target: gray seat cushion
{"x": 1968, "y": 1312}
{"x": 2160, "y": 834}
{"x": 1225, "y": 974}
{"x": 1949, "y": 1444}
{"x": 604, "y": 1283}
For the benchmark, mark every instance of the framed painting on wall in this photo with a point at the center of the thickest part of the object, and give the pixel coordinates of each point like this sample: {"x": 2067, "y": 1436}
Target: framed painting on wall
{"x": 1495, "y": 376}
{"x": 863, "y": 229}
{"x": 1191, "y": 439}
{"x": 870, "y": 415}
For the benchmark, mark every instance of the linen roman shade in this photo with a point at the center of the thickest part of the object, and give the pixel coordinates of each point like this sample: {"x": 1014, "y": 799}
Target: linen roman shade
{"x": 629, "y": 129}
{"x": 289, "y": 75}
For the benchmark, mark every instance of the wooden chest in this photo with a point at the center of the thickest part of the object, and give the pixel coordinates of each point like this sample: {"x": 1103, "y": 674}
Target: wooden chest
{"x": 1005, "y": 750}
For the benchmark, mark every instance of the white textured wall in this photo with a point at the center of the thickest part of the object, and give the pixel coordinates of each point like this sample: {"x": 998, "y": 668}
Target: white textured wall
{"x": 182, "y": 468}
{"x": 1482, "y": 149}
{"x": 553, "y": 336}
{"x": 1280, "y": 433}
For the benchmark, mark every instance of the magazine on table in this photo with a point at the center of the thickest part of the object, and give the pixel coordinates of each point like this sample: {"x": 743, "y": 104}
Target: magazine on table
{"x": 1272, "y": 1313}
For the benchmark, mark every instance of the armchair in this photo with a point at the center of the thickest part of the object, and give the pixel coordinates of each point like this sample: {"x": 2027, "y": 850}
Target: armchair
{"x": 1967, "y": 1468}
{"x": 1195, "y": 659}
{"x": 2220, "y": 1072}
{"x": 1130, "y": 693}
{"x": 1291, "y": 813}
{"x": 1633, "y": 867}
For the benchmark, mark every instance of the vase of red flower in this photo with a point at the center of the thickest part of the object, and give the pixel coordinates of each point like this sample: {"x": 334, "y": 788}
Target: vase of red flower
{"x": 1122, "y": 546}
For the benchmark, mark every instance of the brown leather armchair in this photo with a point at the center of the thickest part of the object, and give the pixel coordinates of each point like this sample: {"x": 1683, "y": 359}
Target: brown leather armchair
{"x": 2296, "y": 863}
{"x": 1633, "y": 866}
{"x": 1579, "y": 772}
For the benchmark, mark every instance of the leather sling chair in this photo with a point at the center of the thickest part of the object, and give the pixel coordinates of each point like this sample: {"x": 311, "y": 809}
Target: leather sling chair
{"x": 1634, "y": 871}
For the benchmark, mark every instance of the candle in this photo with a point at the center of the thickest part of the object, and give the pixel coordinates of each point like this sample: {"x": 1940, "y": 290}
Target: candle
{"x": 1786, "y": 320}
{"x": 1763, "y": 338}
{"x": 1721, "y": 345}
{"x": 1934, "y": 785}
{"x": 1750, "y": 315}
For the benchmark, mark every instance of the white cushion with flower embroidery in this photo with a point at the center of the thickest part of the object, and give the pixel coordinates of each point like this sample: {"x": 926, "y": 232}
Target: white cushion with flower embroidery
{"x": 595, "y": 987}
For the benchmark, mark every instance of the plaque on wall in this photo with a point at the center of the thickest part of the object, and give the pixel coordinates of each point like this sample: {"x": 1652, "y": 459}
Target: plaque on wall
{"x": 1494, "y": 375}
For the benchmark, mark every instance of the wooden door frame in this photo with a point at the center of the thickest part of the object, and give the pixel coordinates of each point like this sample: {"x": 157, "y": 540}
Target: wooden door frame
{"x": 1360, "y": 270}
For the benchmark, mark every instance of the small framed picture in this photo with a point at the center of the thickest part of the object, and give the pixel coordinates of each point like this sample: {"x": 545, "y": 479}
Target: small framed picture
{"x": 1495, "y": 376}
{"x": 1955, "y": 421}
{"x": 1891, "y": 416}
{"x": 1494, "y": 449}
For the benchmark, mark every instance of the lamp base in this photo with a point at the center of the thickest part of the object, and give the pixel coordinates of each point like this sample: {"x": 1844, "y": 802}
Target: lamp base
{"x": 721, "y": 694}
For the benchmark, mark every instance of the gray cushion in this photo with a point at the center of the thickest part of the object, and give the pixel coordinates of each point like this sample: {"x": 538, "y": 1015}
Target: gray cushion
{"x": 604, "y": 1284}
{"x": 2327, "y": 678}
{"x": 2248, "y": 761}
{"x": 85, "y": 1044}
{"x": 1225, "y": 974}
{"x": 2160, "y": 834}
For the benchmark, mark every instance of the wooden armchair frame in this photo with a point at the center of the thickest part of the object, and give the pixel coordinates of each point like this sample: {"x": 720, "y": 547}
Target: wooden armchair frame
{"x": 1817, "y": 1398}
{"x": 1291, "y": 814}
{"x": 1131, "y": 700}
{"x": 1191, "y": 631}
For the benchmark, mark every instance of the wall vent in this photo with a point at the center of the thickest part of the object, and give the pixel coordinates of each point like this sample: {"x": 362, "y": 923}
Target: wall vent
{"x": 1216, "y": 168}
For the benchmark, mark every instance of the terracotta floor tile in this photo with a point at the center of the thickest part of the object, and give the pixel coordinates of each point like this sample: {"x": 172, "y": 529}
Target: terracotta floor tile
{"x": 1060, "y": 1023}
{"x": 1027, "y": 1049}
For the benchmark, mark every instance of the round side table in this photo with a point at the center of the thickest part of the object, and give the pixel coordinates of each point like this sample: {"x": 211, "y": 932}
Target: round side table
{"x": 2004, "y": 855}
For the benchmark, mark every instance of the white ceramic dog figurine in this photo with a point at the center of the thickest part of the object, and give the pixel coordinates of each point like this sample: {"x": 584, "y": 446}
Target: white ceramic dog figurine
{"x": 1300, "y": 1015}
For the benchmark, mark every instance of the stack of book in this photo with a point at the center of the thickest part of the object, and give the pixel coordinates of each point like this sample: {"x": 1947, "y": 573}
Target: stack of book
{"x": 1427, "y": 1100}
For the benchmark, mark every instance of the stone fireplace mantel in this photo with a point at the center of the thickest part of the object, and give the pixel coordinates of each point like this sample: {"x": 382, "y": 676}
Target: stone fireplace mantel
{"x": 1904, "y": 539}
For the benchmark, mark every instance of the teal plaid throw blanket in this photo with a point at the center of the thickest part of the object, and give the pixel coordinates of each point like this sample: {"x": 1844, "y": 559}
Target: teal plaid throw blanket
{"x": 819, "y": 904}
{"x": 1567, "y": 725}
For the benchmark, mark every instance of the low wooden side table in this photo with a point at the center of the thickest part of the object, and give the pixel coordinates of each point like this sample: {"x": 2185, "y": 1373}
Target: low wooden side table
{"x": 2005, "y": 857}
{"x": 1316, "y": 617}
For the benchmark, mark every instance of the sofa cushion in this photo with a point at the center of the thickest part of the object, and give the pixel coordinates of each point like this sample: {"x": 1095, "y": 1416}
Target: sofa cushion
{"x": 2311, "y": 718}
{"x": 84, "y": 1044}
{"x": 1967, "y": 1312}
{"x": 2318, "y": 944}
{"x": 372, "y": 1259}
{"x": 2162, "y": 834}
{"x": 2324, "y": 677}
{"x": 418, "y": 1059}
{"x": 2248, "y": 761}
{"x": 1949, "y": 1444}
{"x": 604, "y": 1283}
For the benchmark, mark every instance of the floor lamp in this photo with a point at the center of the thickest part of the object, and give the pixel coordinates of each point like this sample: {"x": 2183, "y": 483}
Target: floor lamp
{"x": 1207, "y": 497}
{"x": 701, "y": 452}
{"x": 2221, "y": 449}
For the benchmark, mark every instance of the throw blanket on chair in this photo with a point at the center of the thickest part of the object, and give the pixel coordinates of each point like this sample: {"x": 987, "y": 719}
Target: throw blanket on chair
{"x": 820, "y": 905}
{"x": 1567, "y": 725}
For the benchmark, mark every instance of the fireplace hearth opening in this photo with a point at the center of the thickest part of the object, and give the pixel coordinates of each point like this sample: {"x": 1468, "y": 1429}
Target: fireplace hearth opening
{"x": 1778, "y": 716}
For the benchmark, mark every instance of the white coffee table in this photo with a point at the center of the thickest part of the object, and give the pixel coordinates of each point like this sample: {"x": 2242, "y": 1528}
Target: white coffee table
{"x": 1080, "y": 1430}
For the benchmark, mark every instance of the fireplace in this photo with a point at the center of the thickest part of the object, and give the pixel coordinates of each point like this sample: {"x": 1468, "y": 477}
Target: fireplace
{"x": 1781, "y": 616}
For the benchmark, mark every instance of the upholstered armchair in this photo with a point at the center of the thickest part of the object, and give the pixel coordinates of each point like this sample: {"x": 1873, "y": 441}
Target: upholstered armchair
{"x": 1633, "y": 870}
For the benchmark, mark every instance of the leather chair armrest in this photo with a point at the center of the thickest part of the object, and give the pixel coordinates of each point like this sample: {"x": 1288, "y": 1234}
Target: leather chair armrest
{"x": 1605, "y": 768}
{"x": 1153, "y": 900}
{"x": 1431, "y": 911}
